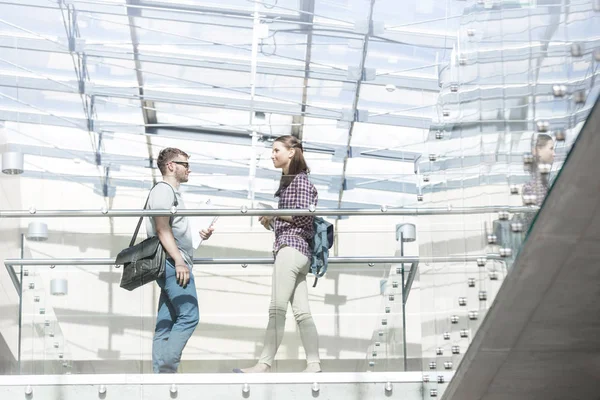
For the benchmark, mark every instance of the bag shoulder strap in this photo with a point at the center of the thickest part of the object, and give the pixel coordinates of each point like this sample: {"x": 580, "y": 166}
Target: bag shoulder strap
{"x": 139, "y": 224}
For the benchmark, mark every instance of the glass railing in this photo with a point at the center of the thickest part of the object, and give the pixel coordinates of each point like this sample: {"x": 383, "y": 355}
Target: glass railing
{"x": 97, "y": 326}
{"x": 76, "y": 319}
{"x": 372, "y": 316}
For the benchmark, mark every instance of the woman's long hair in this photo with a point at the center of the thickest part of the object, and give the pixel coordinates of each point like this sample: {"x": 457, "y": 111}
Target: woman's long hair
{"x": 297, "y": 163}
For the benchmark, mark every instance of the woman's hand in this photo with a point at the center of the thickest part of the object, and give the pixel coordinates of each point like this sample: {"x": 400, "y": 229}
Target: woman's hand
{"x": 266, "y": 222}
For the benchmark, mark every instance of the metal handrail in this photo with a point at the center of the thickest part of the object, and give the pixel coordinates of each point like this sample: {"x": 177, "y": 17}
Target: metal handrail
{"x": 243, "y": 211}
{"x": 261, "y": 260}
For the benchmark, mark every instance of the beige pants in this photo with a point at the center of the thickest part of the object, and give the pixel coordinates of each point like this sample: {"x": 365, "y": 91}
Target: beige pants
{"x": 289, "y": 286}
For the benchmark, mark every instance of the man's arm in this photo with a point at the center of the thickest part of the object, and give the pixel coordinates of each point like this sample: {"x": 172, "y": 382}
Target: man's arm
{"x": 165, "y": 235}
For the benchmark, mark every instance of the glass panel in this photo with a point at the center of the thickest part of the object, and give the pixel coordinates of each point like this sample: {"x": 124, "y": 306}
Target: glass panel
{"x": 36, "y": 101}
{"x": 236, "y": 5}
{"x": 98, "y": 325}
{"x": 18, "y": 62}
{"x": 501, "y": 113}
{"x": 20, "y": 21}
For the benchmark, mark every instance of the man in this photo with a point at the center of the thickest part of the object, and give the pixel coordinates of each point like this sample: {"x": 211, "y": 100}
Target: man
{"x": 178, "y": 304}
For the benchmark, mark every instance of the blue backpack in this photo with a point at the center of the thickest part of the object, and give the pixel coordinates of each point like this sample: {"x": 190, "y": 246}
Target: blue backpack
{"x": 321, "y": 243}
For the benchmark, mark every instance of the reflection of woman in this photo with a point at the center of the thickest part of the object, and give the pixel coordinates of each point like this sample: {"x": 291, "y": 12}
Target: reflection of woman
{"x": 543, "y": 153}
{"x": 292, "y": 250}
{"x": 538, "y": 185}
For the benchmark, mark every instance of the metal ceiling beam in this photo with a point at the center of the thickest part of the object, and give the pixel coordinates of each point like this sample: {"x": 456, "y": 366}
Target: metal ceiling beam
{"x": 172, "y": 12}
{"x": 524, "y": 52}
{"x": 483, "y": 180}
{"x": 187, "y": 188}
{"x": 198, "y": 134}
{"x": 221, "y": 16}
{"x": 201, "y": 14}
{"x": 116, "y": 161}
{"x": 72, "y": 36}
{"x": 461, "y": 129}
{"x": 212, "y": 63}
{"x": 215, "y": 9}
{"x": 153, "y": 97}
{"x": 467, "y": 92}
{"x": 395, "y": 186}
{"x": 455, "y": 129}
{"x": 290, "y": 108}
{"x": 147, "y": 107}
{"x": 488, "y": 90}
{"x": 204, "y": 15}
{"x": 308, "y": 8}
{"x": 354, "y": 112}
{"x": 148, "y": 111}
{"x": 462, "y": 162}
{"x": 316, "y": 72}
{"x": 407, "y": 188}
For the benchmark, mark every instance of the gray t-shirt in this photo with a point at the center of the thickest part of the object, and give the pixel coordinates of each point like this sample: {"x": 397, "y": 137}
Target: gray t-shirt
{"x": 161, "y": 198}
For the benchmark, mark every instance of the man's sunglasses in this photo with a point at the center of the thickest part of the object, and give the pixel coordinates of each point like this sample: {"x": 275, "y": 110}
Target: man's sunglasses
{"x": 184, "y": 164}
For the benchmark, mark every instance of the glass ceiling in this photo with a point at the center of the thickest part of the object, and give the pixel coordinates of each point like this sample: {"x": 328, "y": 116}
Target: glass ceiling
{"x": 368, "y": 86}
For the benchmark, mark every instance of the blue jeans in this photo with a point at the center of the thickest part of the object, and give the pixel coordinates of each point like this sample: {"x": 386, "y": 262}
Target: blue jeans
{"x": 176, "y": 320}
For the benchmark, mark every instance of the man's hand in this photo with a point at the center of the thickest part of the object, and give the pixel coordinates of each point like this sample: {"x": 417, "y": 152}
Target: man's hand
{"x": 182, "y": 272}
{"x": 266, "y": 222}
{"x": 205, "y": 234}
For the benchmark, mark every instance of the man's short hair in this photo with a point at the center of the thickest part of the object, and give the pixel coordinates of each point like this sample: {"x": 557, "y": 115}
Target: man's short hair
{"x": 167, "y": 155}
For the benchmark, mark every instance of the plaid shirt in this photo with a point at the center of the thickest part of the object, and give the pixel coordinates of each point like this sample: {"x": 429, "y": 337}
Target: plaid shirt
{"x": 538, "y": 186}
{"x": 299, "y": 194}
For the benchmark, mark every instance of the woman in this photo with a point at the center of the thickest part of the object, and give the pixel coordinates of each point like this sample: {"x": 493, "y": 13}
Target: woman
{"x": 292, "y": 252}
{"x": 543, "y": 153}
{"x": 538, "y": 185}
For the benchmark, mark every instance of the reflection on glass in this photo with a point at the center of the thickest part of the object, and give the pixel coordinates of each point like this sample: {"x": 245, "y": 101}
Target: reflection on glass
{"x": 536, "y": 189}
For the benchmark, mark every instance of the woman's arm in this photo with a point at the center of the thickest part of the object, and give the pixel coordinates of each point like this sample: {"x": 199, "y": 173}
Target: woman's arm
{"x": 304, "y": 198}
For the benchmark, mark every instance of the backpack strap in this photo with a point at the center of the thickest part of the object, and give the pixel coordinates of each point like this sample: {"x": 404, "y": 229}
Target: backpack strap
{"x": 317, "y": 273}
{"x": 137, "y": 228}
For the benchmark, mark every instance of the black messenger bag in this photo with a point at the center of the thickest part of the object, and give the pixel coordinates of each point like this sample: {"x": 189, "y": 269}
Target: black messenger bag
{"x": 144, "y": 262}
